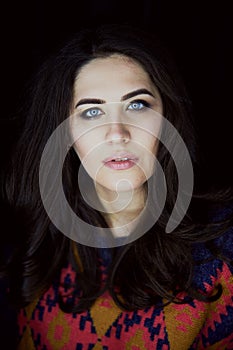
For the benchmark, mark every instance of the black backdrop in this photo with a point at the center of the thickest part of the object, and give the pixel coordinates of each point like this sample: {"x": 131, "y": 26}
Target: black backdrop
{"x": 199, "y": 35}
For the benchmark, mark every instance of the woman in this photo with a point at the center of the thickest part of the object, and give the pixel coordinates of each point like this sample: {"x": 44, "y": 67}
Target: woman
{"x": 109, "y": 137}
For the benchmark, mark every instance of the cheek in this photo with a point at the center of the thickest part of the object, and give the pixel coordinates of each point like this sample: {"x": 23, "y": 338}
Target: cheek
{"x": 80, "y": 149}
{"x": 148, "y": 133}
{"x": 89, "y": 153}
{"x": 147, "y": 142}
{"x": 150, "y": 155}
{"x": 85, "y": 144}
{"x": 88, "y": 142}
{"x": 154, "y": 146}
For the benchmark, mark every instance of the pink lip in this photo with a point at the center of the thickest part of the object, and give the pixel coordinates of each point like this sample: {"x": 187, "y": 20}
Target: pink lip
{"x": 116, "y": 163}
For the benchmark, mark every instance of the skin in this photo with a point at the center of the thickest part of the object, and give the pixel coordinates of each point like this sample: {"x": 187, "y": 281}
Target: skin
{"x": 112, "y": 131}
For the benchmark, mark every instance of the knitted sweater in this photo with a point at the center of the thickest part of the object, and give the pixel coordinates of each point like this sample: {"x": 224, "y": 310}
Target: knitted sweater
{"x": 195, "y": 325}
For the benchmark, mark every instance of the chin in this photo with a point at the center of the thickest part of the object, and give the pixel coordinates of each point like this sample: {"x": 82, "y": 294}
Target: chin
{"x": 122, "y": 185}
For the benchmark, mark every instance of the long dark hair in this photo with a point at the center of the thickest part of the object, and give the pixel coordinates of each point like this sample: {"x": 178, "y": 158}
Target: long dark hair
{"x": 162, "y": 263}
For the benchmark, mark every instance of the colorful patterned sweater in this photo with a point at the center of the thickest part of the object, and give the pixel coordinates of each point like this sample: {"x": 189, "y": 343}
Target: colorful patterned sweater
{"x": 196, "y": 325}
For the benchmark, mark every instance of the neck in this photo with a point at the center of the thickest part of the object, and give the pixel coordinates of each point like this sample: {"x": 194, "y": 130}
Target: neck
{"x": 122, "y": 209}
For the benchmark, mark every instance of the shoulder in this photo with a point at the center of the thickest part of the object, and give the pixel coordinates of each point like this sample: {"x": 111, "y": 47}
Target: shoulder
{"x": 214, "y": 266}
{"x": 224, "y": 242}
{"x": 223, "y": 217}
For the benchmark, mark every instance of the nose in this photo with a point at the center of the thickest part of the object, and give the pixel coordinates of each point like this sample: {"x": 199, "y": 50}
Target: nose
{"x": 117, "y": 133}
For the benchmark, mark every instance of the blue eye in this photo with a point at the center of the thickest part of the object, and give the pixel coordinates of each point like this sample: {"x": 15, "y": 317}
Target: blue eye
{"x": 91, "y": 113}
{"x": 138, "y": 105}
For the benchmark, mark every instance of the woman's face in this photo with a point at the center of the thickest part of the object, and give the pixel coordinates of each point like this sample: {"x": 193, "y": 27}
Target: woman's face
{"x": 115, "y": 119}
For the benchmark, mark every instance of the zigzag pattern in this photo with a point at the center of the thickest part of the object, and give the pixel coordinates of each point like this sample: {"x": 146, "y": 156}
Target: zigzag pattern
{"x": 196, "y": 325}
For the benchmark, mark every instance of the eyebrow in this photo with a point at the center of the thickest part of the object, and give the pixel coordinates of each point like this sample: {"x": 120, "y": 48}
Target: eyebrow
{"x": 125, "y": 97}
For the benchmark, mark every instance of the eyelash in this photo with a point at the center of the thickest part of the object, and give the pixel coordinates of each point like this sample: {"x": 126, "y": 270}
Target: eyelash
{"x": 83, "y": 114}
{"x": 145, "y": 103}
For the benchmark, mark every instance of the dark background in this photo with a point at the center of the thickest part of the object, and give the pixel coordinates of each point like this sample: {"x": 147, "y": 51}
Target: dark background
{"x": 200, "y": 37}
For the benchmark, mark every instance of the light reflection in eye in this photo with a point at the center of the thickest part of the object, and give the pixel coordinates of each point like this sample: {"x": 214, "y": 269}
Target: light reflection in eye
{"x": 138, "y": 105}
{"x": 91, "y": 113}
{"x": 95, "y": 112}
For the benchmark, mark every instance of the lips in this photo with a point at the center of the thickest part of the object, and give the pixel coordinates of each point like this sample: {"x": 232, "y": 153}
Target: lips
{"x": 121, "y": 161}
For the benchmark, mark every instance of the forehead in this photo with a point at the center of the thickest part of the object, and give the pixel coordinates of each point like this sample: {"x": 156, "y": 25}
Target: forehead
{"x": 111, "y": 78}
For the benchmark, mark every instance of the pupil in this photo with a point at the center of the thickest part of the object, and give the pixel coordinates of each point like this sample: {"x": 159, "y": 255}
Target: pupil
{"x": 136, "y": 105}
